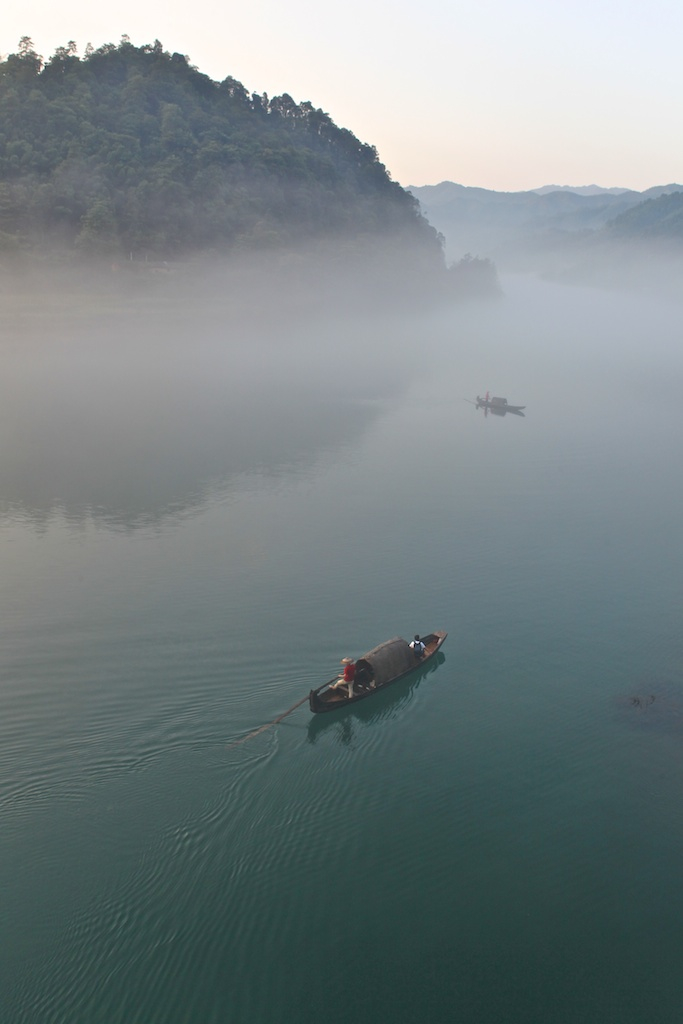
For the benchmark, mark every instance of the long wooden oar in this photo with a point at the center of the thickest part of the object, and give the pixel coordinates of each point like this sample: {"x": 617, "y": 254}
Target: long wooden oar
{"x": 275, "y": 721}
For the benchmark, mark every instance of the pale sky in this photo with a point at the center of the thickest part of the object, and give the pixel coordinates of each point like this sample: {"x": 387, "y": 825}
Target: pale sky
{"x": 500, "y": 95}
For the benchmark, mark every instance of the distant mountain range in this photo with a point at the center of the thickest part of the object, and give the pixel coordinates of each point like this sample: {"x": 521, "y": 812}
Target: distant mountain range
{"x": 582, "y": 190}
{"x": 548, "y": 226}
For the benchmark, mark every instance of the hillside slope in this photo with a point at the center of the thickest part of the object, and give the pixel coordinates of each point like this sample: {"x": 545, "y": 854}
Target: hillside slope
{"x": 133, "y": 152}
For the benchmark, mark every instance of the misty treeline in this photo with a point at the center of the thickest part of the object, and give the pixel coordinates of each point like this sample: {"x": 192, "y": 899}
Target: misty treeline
{"x": 132, "y": 153}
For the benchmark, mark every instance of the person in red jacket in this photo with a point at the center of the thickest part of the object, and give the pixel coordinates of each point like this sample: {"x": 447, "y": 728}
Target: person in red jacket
{"x": 348, "y": 675}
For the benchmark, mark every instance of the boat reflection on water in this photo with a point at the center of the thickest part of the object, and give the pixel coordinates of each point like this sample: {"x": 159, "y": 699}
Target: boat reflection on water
{"x": 384, "y": 704}
{"x": 498, "y": 406}
{"x": 503, "y": 412}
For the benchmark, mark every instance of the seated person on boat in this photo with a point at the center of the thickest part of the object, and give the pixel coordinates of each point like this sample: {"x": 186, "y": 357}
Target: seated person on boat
{"x": 417, "y": 645}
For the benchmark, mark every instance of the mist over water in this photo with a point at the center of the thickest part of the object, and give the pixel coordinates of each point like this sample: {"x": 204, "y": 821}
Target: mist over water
{"x": 208, "y": 497}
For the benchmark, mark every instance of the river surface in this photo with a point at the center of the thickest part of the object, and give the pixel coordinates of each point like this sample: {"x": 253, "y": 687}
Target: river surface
{"x": 196, "y": 526}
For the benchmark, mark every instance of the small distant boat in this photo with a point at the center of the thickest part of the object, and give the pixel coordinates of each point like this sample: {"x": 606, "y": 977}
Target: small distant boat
{"x": 497, "y": 405}
{"x": 378, "y": 668}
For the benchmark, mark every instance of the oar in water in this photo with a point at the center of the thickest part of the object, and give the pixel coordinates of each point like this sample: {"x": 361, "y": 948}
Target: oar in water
{"x": 268, "y": 725}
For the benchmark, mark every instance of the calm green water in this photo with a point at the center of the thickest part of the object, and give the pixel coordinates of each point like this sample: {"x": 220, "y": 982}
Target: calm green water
{"x": 195, "y": 528}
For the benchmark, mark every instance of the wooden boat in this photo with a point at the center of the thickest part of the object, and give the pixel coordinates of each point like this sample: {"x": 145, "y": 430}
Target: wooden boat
{"x": 378, "y": 668}
{"x": 498, "y": 405}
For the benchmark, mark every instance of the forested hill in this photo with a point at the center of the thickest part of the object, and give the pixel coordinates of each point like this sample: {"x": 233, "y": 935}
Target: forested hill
{"x": 658, "y": 219}
{"x": 132, "y": 150}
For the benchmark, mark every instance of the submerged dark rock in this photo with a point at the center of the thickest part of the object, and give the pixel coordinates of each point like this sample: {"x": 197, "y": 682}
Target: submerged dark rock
{"x": 658, "y": 704}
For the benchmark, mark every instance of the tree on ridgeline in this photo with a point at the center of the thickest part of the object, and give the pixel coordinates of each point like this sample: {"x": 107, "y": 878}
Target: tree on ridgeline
{"x": 474, "y": 276}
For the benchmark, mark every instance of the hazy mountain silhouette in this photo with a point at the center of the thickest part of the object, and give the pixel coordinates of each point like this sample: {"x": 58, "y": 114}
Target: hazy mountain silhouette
{"x": 582, "y": 190}
{"x": 546, "y": 229}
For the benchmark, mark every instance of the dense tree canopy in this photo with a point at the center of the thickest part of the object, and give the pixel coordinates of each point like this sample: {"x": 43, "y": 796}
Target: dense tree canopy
{"x": 133, "y": 150}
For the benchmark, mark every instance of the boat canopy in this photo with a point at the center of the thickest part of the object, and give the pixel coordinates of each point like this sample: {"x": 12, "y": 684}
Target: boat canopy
{"x": 385, "y": 662}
